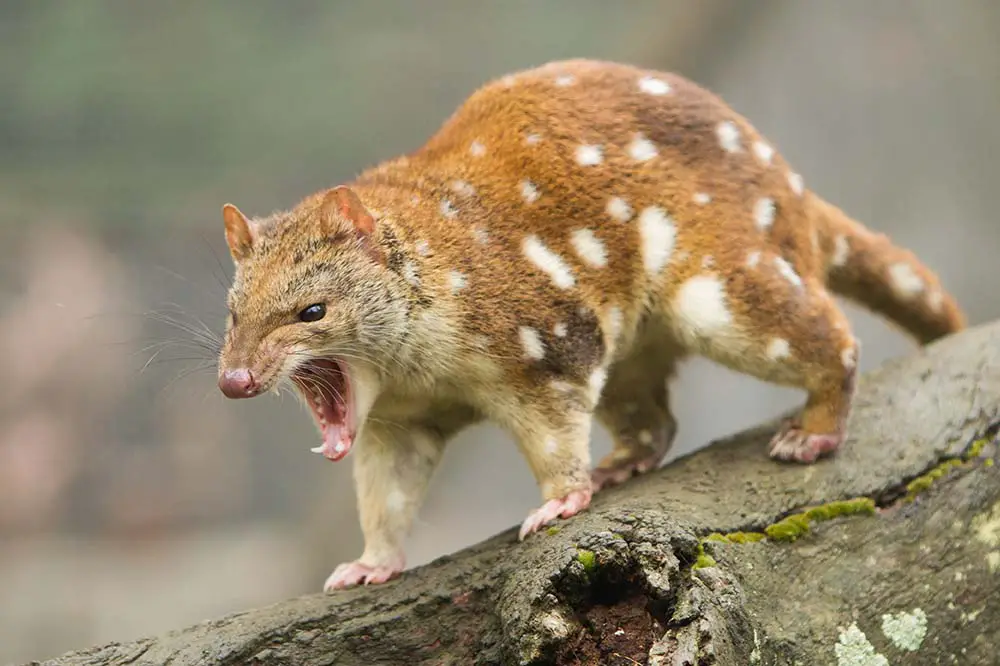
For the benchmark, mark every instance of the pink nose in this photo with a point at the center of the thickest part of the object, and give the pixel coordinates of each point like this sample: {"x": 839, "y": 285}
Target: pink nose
{"x": 238, "y": 383}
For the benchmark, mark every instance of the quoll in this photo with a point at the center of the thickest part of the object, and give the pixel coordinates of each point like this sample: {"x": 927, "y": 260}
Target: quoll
{"x": 547, "y": 258}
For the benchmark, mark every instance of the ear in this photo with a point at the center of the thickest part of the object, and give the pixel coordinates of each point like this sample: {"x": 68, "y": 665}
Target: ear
{"x": 239, "y": 232}
{"x": 343, "y": 201}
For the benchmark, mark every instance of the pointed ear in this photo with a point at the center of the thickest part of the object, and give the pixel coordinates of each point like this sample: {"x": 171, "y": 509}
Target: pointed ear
{"x": 239, "y": 232}
{"x": 343, "y": 201}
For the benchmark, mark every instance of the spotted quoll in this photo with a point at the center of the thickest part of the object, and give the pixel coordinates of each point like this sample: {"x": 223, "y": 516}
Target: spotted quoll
{"x": 545, "y": 259}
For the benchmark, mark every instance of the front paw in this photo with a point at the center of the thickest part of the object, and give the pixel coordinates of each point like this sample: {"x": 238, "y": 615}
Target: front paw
{"x": 354, "y": 573}
{"x": 562, "y": 507}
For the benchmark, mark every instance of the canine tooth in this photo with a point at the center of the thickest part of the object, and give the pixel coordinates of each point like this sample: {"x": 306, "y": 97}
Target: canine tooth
{"x": 318, "y": 449}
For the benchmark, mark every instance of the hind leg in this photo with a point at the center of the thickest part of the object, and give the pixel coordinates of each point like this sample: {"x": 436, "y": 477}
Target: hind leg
{"x": 636, "y": 411}
{"x": 767, "y": 322}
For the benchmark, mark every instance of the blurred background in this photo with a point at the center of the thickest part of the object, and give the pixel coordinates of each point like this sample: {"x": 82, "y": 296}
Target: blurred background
{"x": 133, "y": 497}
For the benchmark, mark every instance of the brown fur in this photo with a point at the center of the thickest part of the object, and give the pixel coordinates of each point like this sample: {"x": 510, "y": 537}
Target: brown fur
{"x": 429, "y": 297}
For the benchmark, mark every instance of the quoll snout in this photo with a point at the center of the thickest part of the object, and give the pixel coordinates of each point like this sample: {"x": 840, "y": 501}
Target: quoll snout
{"x": 238, "y": 383}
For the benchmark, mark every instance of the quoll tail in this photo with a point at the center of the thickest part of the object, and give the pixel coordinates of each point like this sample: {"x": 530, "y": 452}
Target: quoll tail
{"x": 866, "y": 267}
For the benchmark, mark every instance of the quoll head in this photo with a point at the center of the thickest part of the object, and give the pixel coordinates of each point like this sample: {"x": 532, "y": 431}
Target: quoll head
{"x": 311, "y": 302}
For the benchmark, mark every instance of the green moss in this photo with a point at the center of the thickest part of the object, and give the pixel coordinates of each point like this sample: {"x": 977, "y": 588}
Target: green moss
{"x": 746, "y": 537}
{"x": 788, "y": 529}
{"x": 976, "y": 448}
{"x": 736, "y": 537}
{"x": 922, "y": 483}
{"x": 587, "y": 558}
{"x": 849, "y": 507}
{"x": 704, "y": 560}
{"x": 798, "y": 524}
{"x": 554, "y": 530}
{"x": 988, "y": 462}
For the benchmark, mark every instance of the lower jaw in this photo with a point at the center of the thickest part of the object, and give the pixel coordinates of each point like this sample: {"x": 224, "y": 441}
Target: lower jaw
{"x": 337, "y": 442}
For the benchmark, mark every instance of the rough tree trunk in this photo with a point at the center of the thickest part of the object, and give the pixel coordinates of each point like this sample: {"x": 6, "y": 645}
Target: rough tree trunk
{"x": 900, "y": 564}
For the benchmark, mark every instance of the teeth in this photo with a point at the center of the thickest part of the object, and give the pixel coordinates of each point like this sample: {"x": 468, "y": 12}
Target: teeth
{"x": 318, "y": 449}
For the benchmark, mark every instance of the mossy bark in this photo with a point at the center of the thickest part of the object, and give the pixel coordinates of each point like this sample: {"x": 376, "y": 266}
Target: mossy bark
{"x": 880, "y": 570}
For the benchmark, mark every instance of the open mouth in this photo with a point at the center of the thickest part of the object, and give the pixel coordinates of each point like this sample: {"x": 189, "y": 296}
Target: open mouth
{"x": 326, "y": 386}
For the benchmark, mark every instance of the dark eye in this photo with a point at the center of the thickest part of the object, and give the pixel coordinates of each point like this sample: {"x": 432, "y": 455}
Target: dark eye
{"x": 314, "y": 312}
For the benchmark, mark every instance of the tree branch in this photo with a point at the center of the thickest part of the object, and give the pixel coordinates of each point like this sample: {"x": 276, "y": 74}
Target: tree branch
{"x": 637, "y": 579}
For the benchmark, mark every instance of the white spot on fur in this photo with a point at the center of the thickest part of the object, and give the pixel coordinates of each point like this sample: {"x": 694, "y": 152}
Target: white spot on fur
{"x": 548, "y": 262}
{"x": 778, "y": 349}
{"x": 729, "y": 136}
{"x": 702, "y": 198}
{"x": 410, "y": 274}
{"x": 641, "y": 149}
{"x": 658, "y": 237}
{"x": 653, "y": 85}
{"x": 531, "y": 342}
{"x": 477, "y": 149}
{"x": 753, "y": 259}
{"x": 448, "y": 210}
{"x": 462, "y": 188}
{"x": 935, "y": 300}
{"x": 508, "y": 81}
{"x": 422, "y": 248}
{"x": 559, "y": 330}
{"x": 700, "y": 304}
{"x": 532, "y": 139}
{"x": 796, "y": 183}
{"x": 841, "y": 250}
{"x": 589, "y": 248}
{"x": 529, "y": 191}
{"x": 457, "y": 281}
{"x": 619, "y": 209}
{"x": 707, "y": 261}
{"x": 589, "y": 155}
{"x": 905, "y": 630}
{"x": 596, "y": 382}
{"x": 396, "y": 500}
{"x": 849, "y": 357}
{"x": 481, "y": 235}
{"x": 854, "y": 649}
{"x": 905, "y": 280}
{"x": 787, "y": 271}
{"x": 763, "y": 151}
{"x": 763, "y": 213}
{"x": 645, "y": 437}
{"x": 565, "y": 80}
{"x": 551, "y": 445}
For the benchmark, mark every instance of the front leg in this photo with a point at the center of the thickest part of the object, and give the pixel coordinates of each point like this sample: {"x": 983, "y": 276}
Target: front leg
{"x": 392, "y": 467}
{"x": 554, "y": 436}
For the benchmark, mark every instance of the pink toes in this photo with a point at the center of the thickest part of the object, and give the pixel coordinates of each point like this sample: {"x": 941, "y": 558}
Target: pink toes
{"x": 563, "y": 507}
{"x": 354, "y": 573}
{"x": 793, "y": 444}
{"x": 604, "y": 477}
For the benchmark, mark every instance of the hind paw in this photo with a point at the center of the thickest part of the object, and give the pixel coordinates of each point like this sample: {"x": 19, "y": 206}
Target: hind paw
{"x": 793, "y": 444}
{"x": 606, "y": 475}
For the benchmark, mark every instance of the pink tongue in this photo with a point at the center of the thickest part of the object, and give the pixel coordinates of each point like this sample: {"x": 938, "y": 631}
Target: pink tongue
{"x": 337, "y": 442}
